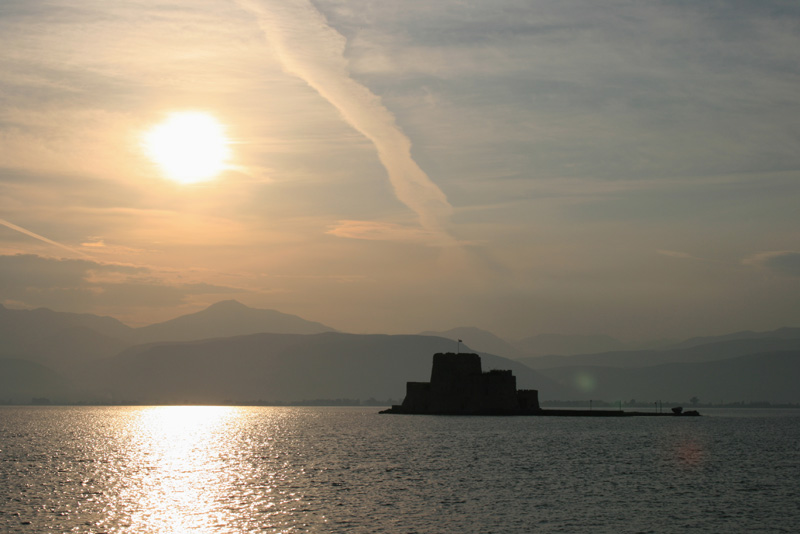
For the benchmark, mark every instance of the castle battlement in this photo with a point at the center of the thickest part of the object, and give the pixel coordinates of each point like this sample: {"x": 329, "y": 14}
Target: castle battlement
{"x": 459, "y": 386}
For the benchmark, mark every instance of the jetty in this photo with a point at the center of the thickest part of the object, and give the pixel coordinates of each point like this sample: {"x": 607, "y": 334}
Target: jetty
{"x": 459, "y": 386}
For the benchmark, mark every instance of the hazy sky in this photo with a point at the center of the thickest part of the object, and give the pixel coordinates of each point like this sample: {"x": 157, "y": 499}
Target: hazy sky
{"x": 620, "y": 167}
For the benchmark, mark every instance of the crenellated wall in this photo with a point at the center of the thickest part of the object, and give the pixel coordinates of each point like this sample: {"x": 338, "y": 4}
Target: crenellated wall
{"x": 449, "y": 367}
{"x": 459, "y": 386}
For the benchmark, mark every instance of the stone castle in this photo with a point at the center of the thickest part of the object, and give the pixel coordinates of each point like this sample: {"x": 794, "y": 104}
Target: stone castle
{"x": 458, "y": 386}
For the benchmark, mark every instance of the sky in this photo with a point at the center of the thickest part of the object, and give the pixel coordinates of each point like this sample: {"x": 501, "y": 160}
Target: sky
{"x": 628, "y": 168}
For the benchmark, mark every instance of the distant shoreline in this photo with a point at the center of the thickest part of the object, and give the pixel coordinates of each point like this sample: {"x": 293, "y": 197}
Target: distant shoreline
{"x": 651, "y": 405}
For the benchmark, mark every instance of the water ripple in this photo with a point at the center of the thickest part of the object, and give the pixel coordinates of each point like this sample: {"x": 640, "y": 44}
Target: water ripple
{"x": 231, "y": 470}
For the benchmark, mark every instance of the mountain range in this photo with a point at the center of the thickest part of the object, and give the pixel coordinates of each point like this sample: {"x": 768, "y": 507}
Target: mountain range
{"x": 715, "y": 349}
{"x": 61, "y": 340}
{"x": 769, "y": 376}
{"x": 745, "y": 366}
{"x": 284, "y": 367}
{"x": 538, "y": 345}
{"x": 224, "y": 319}
{"x": 232, "y": 353}
{"x": 225, "y": 353}
{"x": 479, "y": 340}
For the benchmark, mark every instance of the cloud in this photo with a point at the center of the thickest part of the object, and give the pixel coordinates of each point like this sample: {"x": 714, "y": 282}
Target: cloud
{"x": 785, "y": 262}
{"x": 312, "y": 50}
{"x": 381, "y": 231}
{"x": 97, "y": 243}
{"x": 634, "y": 90}
{"x": 22, "y": 273}
{"x": 83, "y": 285}
{"x": 573, "y": 139}
{"x": 40, "y": 238}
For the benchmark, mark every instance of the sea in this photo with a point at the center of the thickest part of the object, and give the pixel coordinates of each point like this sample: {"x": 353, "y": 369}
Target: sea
{"x": 209, "y": 469}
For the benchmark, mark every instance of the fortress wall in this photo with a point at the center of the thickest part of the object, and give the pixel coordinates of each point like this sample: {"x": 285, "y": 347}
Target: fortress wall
{"x": 418, "y": 397}
{"x": 455, "y": 380}
{"x": 500, "y": 392}
{"x": 451, "y": 367}
{"x": 528, "y": 400}
{"x": 456, "y": 396}
{"x": 458, "y": 386}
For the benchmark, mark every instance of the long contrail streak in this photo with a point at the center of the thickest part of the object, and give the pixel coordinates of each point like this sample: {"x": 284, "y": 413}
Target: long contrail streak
{"x": 40, "y": 237}
{"x": 313, "y": 51}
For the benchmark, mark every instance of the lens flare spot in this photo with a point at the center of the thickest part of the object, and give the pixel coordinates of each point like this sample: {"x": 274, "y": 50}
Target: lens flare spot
{"x": 585, "y": 382}
{"x": 689, "y": 453}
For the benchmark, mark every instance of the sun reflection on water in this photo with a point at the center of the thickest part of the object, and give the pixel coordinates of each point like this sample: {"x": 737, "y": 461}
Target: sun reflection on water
{"x": 180, "y": 480}
{"x": 140, "y": 470}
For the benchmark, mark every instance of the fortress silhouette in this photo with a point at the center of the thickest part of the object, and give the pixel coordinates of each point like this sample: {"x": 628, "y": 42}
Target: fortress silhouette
{"x": 459, "y": 386}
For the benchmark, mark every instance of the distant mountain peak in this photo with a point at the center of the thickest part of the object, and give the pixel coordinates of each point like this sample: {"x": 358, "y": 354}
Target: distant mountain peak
{"x": 225, "y": 305}
{"x": 228, "y": 318}
{"x": 568, "y": 344}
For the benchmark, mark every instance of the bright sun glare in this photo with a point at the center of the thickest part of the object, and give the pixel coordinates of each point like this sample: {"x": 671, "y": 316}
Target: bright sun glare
{"x": 188, "y": 146}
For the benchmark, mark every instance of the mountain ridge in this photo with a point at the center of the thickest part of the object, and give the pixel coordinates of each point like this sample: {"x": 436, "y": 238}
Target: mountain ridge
{"x": 478, "y": 339}
{"x": 785, "y": 332}
{"x": 767, "y": 376}
{"x": 567, "y": 344}
{"x": 76, "y": 353}
{"x": 286, "y": 367}
{"x": 227, "y": 318}
{"x": 648, "y": 358}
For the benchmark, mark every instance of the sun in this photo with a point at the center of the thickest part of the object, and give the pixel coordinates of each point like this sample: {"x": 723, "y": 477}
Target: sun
{"x": 188, "y": 146}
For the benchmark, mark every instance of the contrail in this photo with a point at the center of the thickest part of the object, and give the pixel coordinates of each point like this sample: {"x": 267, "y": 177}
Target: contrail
{"x": 313, "y": 51}
{"x": 41, "y": 238}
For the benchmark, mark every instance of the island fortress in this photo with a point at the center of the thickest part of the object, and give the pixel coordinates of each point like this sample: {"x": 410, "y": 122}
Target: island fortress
{"x": 458, "y": 386}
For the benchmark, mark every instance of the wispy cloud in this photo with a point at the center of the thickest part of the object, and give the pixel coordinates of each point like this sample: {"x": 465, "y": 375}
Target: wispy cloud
{"x": 308, "y": 47}
{"x": 785, "y": 262}
{"x": 97, "y": 243}
{"x": 41, "y": 238}
{"x": 383, "y": 231}
{"x": 84, "y": 284}
{"x": 573, "y": 140}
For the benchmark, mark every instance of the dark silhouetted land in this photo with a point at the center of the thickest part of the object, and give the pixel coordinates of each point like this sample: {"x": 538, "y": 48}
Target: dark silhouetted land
{"x": 230, "y": 353}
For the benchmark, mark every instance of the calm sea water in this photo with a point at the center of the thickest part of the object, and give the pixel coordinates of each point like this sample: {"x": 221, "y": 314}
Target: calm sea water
{"x": 230, "y": 470}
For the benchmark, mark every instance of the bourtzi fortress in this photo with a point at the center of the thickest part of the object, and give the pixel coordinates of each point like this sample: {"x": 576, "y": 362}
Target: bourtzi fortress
{"x": 458, "y": 386}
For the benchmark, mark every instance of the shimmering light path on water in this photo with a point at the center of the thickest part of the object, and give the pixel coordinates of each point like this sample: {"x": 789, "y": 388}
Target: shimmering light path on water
{"x": 226, "y": 470}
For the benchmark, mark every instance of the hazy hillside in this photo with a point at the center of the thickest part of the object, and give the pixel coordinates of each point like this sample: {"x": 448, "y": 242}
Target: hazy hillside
{"x": 60, "y": 339}
{"x": 567, "y": 344}
{"x": 286, "y": 367}
{"x": 43, "y": 320}
{"x": 757, "y": 377}
{"x": 63, "y": 340}
{"x": 227, "y": 318}
{"x": 46, "y": 320}
{"x": 781, "y": 333}
{"x": 478, "y": 340}
{"x": 644, "y": 358}
{"x": 202, "y": 357}
{"x": 21, "y": 381}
